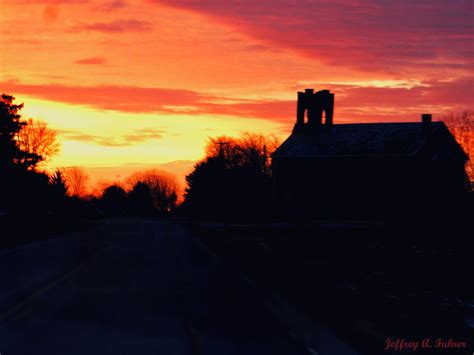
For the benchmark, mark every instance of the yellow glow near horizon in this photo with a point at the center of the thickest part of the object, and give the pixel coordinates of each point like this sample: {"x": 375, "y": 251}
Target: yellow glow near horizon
{"x": 100, "y": 133}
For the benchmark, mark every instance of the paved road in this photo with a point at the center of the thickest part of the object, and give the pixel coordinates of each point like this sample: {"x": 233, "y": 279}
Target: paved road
{"x": 129, "y": 287}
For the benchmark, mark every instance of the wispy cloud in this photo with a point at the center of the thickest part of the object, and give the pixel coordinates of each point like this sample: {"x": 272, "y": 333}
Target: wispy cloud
{"x": 133, "y": 137}
{"x": 138, "y": 135}
{"x": 53, "y": 2}
{"x": 118, "y": 26}
{"x": 112, "y": 5}
{"x": 91, "y": 61}
{"x": 108, "y": 97}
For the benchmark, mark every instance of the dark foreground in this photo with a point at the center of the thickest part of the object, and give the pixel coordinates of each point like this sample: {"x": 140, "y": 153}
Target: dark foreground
{"x": 156, "y": 287}
{"x": 371, "y": 286}
{"x": 134, "y": 287}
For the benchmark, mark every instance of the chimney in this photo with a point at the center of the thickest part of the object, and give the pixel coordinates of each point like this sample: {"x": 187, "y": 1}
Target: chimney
{"x": 302, "y": 105}
{"x": 310, "y": 108}
{"x": 326, "y": 106}
{"x": 426, "y": 123}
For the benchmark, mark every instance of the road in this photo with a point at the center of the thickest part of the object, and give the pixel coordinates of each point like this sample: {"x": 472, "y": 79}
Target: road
{"x": 129, "y": 287}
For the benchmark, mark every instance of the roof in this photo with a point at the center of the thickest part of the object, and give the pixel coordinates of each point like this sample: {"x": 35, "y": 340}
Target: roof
{"x": 357, "y": 139}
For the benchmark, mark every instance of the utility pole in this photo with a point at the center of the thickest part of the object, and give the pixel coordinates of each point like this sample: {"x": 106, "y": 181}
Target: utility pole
{"x": 265, "y": 160}
{"x": 221, "y": 149}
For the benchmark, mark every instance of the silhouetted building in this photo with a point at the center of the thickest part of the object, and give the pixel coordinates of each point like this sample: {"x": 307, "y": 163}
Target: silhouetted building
{"x": 328, "y": 169}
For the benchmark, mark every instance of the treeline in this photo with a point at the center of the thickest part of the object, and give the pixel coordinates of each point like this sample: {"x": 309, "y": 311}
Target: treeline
{"x": 28, "y": 193}
{"x": 151, "y": 193}
{"x": 232, "y": 182}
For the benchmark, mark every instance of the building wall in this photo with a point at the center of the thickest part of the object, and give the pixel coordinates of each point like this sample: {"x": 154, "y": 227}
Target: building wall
{"x": 358, "y": 186}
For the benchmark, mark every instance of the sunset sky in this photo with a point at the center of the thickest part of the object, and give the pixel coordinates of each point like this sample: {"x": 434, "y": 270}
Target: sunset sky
{"x": 148, "y": 81}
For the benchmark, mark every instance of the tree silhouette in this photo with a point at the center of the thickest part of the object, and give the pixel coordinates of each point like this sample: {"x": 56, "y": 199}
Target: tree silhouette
{"x": 10, "y": 126}
{"x": 249, "y": 149}
{"x": 30, "y": 194}
{"x": 16, "y": 185}
{"x": 114, "y": 201}
{"x": 163, "y": 186}
{"x": 39, "y": 141}
{"x": 233, "y": 180}
{"x": 58, "y": 192}
{"x": 461, "y": 125}
{"x": 25, "y": 192}
{"x": 140, "y": 200}
{"x": 76, "y": 179}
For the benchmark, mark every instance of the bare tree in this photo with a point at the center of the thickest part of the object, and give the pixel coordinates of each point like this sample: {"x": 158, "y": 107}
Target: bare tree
{"x": 164, "y": 188}
{"x": 38, "y": 140}
{"x": 222, "y": 146}
{"x": 249, "y": 149}
{"x": 461, "y": 125}
{"x": 257, "y": 148}
{"x": 76, "y": 181}
{"x": 99, "y": 187}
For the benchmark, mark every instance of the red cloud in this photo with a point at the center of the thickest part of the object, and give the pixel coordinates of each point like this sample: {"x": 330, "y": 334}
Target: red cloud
{"x": 54, "y": 2}
{"x": 50, "y": 13}
{"x": 119, "y": 98}
{"x": 118, "y": 26}
{"x": 372, "y": 35}
{"x": 143, "y": 100}
{"x": 353, "y": 103}
{"x": 112, "y": 5}
{"x": 91, "y": 60}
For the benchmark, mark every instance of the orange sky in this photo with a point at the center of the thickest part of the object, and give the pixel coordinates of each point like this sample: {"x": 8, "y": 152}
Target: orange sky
{"x": 148, "y": 81}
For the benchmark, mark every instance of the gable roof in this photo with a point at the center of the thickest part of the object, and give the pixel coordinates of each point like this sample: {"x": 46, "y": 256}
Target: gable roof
{"x": 358, "y": 140}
